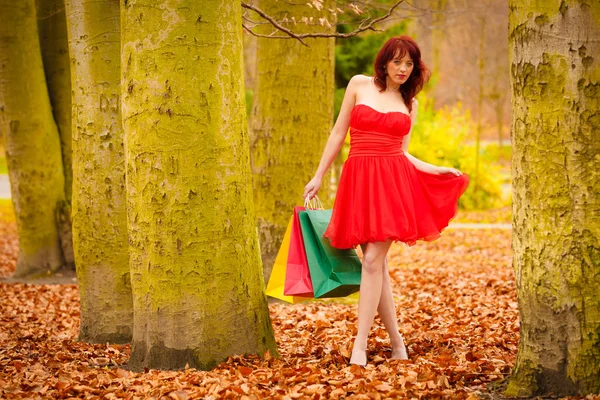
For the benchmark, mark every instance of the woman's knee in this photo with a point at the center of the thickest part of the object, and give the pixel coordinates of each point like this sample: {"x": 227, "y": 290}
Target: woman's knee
{"x": 372, "y": 263}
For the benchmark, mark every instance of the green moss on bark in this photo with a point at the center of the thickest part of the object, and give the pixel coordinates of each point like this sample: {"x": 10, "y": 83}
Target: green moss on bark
{"x": 99, "y": 194}
{"x": 556, "y": 197}
{"x": 195, "y": 263}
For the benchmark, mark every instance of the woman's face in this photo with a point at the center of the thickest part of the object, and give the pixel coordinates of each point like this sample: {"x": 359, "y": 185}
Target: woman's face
{"x": 399, "y": 69}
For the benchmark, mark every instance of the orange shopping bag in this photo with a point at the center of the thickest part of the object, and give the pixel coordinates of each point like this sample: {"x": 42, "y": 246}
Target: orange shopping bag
{"x": 277, "y": 278}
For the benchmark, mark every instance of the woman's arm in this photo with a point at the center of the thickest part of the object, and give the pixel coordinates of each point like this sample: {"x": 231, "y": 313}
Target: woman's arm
{"x": 422, "y": 165}
{"x": 337, "y": 136}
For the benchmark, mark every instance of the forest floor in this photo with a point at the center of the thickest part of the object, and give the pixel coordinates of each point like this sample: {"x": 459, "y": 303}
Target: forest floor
{"x": 457, "y": 309}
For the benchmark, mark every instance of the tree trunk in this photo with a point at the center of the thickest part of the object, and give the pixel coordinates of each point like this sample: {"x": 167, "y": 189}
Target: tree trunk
{"x": 99, "y": 194}
{"x": 556, "y": 141}
{"x": 197, "y": 282}
{"x": 291, "y": 120}
{"x": 31, "y": 140}
{"x": 480, "y": 98}
{"x": 52, "y": 27}
{"x": 439, "y": 32}
{"x": 499, "y": 121}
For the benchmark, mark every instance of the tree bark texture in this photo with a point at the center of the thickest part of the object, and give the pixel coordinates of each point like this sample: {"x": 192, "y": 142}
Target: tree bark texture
{"x": 291, "y": 120}
{"x": 31, "y": 139}
{"x": 99, "y": 193}
{"x": 197, "y": 281}
{"x": 52, "y": 26}
{"x": 555, "y": 77}
{"x": 52, "y": 30}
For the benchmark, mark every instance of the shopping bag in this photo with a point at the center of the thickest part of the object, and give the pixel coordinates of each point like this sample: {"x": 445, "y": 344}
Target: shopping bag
{"x": 297, "y": 275}
{"x": 277, "y": 278}
{"x": 334, "y": 272}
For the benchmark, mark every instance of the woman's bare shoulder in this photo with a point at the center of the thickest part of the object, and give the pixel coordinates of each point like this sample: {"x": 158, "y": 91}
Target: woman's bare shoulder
{"x": 414, "y": 105}
{"x": 360, "y": 80}
{"x": 414, "y": 108}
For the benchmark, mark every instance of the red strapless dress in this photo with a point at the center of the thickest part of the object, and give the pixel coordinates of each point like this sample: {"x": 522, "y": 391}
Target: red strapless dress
{"x": 381, "y": 195}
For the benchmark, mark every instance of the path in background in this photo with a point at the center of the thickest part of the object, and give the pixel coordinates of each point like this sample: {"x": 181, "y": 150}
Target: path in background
{"x": 488, "y": 220}
{"x": 4, "y": 187}
{"x": 468, "y": 225}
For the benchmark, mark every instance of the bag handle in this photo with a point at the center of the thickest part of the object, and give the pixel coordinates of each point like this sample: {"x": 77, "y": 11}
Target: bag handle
{"x": 313, "y": 204}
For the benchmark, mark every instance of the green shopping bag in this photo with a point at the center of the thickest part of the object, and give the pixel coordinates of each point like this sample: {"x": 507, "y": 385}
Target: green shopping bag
{"x": 334, "y": 272}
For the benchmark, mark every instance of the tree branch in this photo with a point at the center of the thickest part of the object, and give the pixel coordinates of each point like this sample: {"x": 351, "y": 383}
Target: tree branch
{"x": 300, "y": 36}
{"x": 272, "y": 21}
{"x": 292, "y": 35}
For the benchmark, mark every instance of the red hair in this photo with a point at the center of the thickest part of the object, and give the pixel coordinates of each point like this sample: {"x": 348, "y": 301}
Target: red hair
{"x": 400, "y": 46}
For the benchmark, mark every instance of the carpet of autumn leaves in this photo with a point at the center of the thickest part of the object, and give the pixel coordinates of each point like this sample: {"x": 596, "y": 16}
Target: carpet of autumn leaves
{"x": 9, "y": 241}
{"x": 456, "y": 306}
{"x": 502, "y": 215}
{"x": 457, "y": 310}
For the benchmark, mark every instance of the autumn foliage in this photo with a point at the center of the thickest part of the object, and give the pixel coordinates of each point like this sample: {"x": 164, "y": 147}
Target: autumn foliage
{"x": 456, "y": 306}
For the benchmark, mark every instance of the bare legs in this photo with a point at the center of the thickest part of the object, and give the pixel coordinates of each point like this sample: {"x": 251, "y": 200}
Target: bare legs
{"x": 370, "y": 293}
{"x": 387, "y": 313}
{"x": 376, "y": 295}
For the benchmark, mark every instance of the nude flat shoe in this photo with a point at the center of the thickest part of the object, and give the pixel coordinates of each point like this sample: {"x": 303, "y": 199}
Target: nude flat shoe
{"x": 399, "y": 354}
{"x": 353, "y": 363}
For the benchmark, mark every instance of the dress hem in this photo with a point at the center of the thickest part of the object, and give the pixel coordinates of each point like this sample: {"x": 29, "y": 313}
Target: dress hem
{"x": 408, "y": 241}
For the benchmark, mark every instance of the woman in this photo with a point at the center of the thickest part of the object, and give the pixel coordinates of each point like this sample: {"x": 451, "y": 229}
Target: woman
{"x": 385, "y": 194}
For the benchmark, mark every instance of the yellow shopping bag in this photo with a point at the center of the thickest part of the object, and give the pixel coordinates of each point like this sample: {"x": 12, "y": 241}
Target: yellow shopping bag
{"x": 277, "y": 279}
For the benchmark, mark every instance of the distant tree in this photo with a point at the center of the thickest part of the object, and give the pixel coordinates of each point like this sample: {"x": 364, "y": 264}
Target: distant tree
{"x": 52, "y": 30}
{"x": 291, "y": 120}
{"x": 480, "y": 98}
{"x": 52, "y": 26}
{"x": 555, "y": 72}
{"x": 31, "y": 140}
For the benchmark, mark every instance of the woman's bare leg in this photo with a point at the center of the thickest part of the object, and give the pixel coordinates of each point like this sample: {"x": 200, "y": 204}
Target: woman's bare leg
{"x": 370, "y": 294}
{"x": 387, "y": 313}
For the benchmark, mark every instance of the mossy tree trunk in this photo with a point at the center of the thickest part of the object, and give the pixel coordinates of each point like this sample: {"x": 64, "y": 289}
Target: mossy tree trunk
{"x": 52, "y": 30}
{"x": 31, "y": 139}
{"x": 99, "y": 193}
{"x": 197, "y": 282}
{"x": 555, "y": 74}
{"x": 291, "y": 119}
